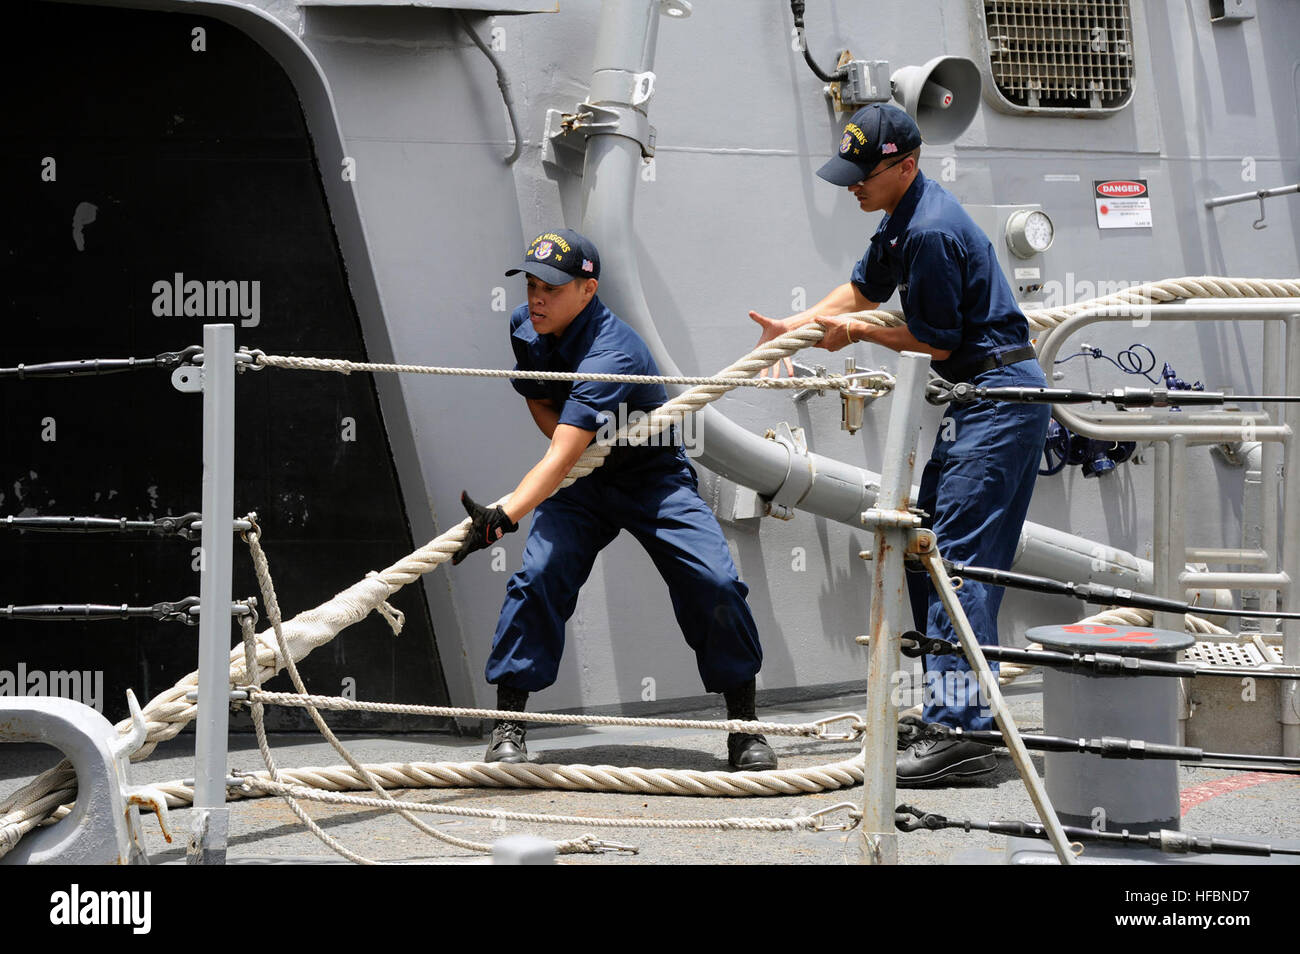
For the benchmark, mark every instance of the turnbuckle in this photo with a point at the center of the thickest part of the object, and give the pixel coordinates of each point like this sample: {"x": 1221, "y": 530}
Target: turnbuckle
{"x": 848, "y": 824}
{"x": 182, "y": 526}
{"x": 854, "y": 732}
{"x": 174, "y": 359}
{"x": 939, "y": 392}
{"x": 914, "y": 645}
{"x": 178, "y": 612}
{"x": 910, "y": 818}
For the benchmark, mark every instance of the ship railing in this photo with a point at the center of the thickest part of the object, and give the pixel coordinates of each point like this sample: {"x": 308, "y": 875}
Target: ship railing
{"x": 1273, "y": 569}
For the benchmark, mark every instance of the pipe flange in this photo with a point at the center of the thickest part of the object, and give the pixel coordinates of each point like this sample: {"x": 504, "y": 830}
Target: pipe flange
{"x": 572, "y": 130}
{"x": 799, "y": 477}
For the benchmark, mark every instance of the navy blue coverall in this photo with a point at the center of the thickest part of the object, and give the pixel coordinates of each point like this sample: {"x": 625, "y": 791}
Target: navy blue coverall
{"x": 980, "y": 476}
{"x": 649, "y": 491}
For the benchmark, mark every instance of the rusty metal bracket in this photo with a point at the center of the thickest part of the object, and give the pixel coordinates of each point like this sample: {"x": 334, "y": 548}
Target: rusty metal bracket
{"x": 874, "y": 519}
{"x": 104, "y": 824}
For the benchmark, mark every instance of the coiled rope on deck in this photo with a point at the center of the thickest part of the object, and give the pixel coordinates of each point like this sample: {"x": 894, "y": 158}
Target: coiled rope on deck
{"x": 800, "y": 823}
{"x": 168, "y": 712}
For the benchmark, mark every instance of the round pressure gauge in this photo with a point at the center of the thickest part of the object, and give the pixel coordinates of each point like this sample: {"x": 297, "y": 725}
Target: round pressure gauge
{"x": 1029, "y": 232}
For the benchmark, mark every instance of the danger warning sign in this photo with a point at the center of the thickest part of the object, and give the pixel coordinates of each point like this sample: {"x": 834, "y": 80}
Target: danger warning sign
{"x": 1122, "y": 203}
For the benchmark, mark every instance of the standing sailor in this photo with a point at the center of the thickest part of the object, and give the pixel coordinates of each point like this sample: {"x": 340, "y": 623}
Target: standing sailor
{"x": 958, "y": 309}
{"x": 650, "y": 491}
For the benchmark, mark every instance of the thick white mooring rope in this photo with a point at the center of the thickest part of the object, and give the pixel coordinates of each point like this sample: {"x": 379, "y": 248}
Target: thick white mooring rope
{"x": 1136, "y": 298}
{"x": 799, "y": 823}
{"x": 168, "y": 712}
{"x": 271, "y": 602}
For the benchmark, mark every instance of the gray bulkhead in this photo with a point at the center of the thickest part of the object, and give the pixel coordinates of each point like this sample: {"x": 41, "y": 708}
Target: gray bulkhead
{"x": 730, "y": 217}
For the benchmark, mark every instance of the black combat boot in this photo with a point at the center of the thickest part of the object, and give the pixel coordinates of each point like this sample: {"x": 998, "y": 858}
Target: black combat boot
{"x": 930, "y": 757}
{"x": 746, "y": 752}
{"x": 507, "y": 743}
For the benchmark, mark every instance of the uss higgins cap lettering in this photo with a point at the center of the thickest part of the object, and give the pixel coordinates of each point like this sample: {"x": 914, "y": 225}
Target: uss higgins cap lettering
{"x": 874, "y": 133}
{"x": 559, "y": 257}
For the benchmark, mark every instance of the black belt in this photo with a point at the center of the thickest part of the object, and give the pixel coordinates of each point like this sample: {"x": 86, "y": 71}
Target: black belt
{"x": 968, "y": 371}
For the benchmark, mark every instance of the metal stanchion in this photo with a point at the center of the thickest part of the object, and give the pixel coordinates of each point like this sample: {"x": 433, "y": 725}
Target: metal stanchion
{"x": 891, "y": 518}
{"x": 1289, "y": 562}
{"x": 216, "y": 380}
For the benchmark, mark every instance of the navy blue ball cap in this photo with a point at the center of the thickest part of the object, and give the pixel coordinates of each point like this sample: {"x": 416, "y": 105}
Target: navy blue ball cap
{"x": 875, "y": 132}
{"x": 558, "y": 258}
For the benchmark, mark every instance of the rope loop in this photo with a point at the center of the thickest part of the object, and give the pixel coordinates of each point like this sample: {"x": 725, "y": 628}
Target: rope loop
{"x": 255, "y": 533}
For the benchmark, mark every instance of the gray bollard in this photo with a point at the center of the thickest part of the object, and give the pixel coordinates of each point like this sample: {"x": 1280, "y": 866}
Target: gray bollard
{"x": 1112, "y": 794}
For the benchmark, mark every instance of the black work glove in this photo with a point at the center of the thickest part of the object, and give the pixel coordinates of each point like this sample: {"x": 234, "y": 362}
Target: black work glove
{"x": 486, "y": 527}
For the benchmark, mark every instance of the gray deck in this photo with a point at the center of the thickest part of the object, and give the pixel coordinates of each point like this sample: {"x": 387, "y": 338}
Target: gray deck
{"x": 264, "y": 830}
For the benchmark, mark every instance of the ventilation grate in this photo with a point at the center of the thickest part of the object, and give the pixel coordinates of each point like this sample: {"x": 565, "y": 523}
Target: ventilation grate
{"x": 1073, "y": 56}
{"x": 1226, "y": 655}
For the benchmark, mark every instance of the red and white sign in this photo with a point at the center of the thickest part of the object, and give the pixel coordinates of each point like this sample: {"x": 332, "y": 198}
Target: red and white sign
{"x": 1121, "y": 187}
{"x": 1122, "y": 203}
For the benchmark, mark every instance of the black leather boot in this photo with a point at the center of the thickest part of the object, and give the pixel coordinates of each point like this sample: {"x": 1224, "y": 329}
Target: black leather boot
{"x": 507, "y": 743}
{"x": 929, "y": 758}
{"x": 746, "y": 753}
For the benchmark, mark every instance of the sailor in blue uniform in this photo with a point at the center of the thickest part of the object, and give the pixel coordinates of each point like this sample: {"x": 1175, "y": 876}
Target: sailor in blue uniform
{"x": 959, "y": 309}
{"x": 650, "y": 491}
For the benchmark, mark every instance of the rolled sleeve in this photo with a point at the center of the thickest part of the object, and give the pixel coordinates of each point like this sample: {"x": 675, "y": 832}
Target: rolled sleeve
{"x": 872, "y": 275}
{"x": 935, "y": 264}
{"x": 529, "y": 389}
{"x": 591, "y": 403}
{"x": 524, "y": 361}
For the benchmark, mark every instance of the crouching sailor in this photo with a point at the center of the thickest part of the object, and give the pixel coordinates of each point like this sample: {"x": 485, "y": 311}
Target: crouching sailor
{"x": 650, "y": 491}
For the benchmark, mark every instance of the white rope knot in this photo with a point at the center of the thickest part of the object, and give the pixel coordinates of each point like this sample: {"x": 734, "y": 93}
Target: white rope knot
{"x": 395, "y": 617}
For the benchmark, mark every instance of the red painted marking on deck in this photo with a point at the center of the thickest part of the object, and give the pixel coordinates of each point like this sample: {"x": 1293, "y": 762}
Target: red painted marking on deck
{"x": 1189, "y": 798}
{"x": 1134, "y": 636}
{"x": 1088, "y": 629}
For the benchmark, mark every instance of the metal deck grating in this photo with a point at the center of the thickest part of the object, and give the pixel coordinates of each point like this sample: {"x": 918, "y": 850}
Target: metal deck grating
{"x": 1232, "y": 655}
{"x": 1061, "y": 55}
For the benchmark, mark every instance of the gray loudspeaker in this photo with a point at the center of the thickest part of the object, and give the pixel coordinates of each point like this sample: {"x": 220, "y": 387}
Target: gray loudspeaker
{"x": 941, "y": 96}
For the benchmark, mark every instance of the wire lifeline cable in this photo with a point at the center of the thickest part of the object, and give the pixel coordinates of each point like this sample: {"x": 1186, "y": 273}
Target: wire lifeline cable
{"x": 36, "y": 801}
{"x": 908, "y": 818}
{"x": 1109, "y": 664}
{"x": 167, "y": 712}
